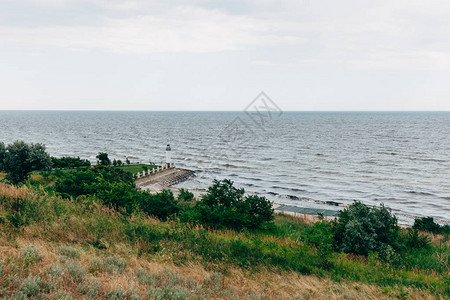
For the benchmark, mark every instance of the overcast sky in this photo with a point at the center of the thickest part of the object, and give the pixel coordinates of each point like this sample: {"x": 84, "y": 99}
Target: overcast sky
{"x": 218, "y": 55}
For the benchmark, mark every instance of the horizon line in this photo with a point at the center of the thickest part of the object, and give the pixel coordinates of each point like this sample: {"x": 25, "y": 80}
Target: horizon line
{"x": 117, "y": 110}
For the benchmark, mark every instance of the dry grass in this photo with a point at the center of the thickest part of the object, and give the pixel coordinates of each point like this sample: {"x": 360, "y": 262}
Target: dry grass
{"x": 264, "y": 284}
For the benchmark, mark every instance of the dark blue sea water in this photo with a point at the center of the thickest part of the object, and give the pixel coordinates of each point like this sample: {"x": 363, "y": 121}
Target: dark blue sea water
{"x": 401, "y": 159}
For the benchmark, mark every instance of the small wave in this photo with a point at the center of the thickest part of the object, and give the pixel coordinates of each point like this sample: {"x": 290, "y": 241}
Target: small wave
{"x": 420, "y": 193}
{"x": 388, "y": 153}
{"x": 235, "y": 167}
{"x": 428, "y": 159}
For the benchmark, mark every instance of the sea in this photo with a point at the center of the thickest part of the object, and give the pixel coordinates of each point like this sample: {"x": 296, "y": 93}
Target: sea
{"x": 307, "y": 159}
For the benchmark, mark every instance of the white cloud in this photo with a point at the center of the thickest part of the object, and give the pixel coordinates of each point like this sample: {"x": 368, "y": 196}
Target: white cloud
{"x": 185, "y": 29}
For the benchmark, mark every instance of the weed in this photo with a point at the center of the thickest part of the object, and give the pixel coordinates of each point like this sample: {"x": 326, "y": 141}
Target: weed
{"x": 76, "y": 271}
{"x": 61, "y": 295}
{"x": 213, "y": 281}
{"x": 19, "y": 296}
{"x": 118, "y": 294}
{"x": 31, "y": 254}
{"x": 13, "y": 280}
{"x": 55, "y": 271}
{"x": 112, "y": 264}
{"x": 31, "y": 286}
{"x": 68, "y": 251}
{"x": 89, "y": 287}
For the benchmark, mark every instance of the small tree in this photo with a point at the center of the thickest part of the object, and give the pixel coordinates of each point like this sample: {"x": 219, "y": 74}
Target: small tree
{"x": 20, "y": 159}
{"x": 119, "y": 163}
{"x": 115, "y": 162}
{"x": 103, "y": 159}
{"x": 225, "y": 206}
{"x": 128, "y": 161}
{"x": 362, "y": 230}
{"x": 185, "y": 195}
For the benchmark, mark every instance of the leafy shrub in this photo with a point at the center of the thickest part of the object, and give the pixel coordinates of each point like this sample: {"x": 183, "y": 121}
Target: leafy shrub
{"x": 320, "y": 235}
{"x": 115, "y": 188}
{"x": 428, "y": 224}
{"x": 361, "y": 229}
{"x": 415, "y": 240}
{"x": 68, "y": 251}
{"x": 161, "y": 205}
{"x": 225, "y": 206}
{"x": 185, "y": 195}
{"x": 31, "y": 254}
{"x": 68, "y": 162}
{"x": 19, "y": 159}
{"x": 31, "y": 286}
{"x": 17, "y": 219}
{"x": 103, "y": 159}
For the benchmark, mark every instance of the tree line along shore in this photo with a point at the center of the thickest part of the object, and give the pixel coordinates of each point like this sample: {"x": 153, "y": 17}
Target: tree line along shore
{"x": 69, "y": 230}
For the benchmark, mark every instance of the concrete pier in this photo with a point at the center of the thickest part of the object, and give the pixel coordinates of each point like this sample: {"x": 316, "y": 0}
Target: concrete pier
{"x": 163, "y": 179}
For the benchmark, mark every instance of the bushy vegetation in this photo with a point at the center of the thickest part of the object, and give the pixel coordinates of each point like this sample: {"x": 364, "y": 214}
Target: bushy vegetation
{"x": 361, "y": 230}
{"x": 428, "y": 224}
{"x": 68, "y": 162}
{"x": 225, "y": 206}
{"x": 103, "y": 159}
{"x": 19, "y": 159}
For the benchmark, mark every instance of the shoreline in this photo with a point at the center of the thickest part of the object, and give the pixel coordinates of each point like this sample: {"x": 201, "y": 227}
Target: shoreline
{"x": 160, "y": 183}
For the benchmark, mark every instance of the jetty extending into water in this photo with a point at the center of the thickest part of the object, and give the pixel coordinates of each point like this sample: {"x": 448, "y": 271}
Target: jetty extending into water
{"x": 162, "y": 178}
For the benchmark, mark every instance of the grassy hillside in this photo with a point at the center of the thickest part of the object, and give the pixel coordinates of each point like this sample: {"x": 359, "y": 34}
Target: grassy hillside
{"x": 57, "y": 248}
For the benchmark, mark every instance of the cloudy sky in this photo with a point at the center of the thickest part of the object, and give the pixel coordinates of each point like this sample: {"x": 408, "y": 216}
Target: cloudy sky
{"x": 218, "y": 55}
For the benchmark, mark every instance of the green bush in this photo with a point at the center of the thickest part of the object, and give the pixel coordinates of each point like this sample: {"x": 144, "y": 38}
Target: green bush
{"x": 362, "y": 230}
{"x": 161, "y": 205}
{"x": 103, "y": 159}
{"x": 415, "y": 240}
{"x": 225, "y": 206}
{"x": 428, "y": 224}
{"x": 68, "y": 162}
{"x": 116, "y": 188}
{"x": 185, "y": 195}
{"x": 320, "y": 236}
